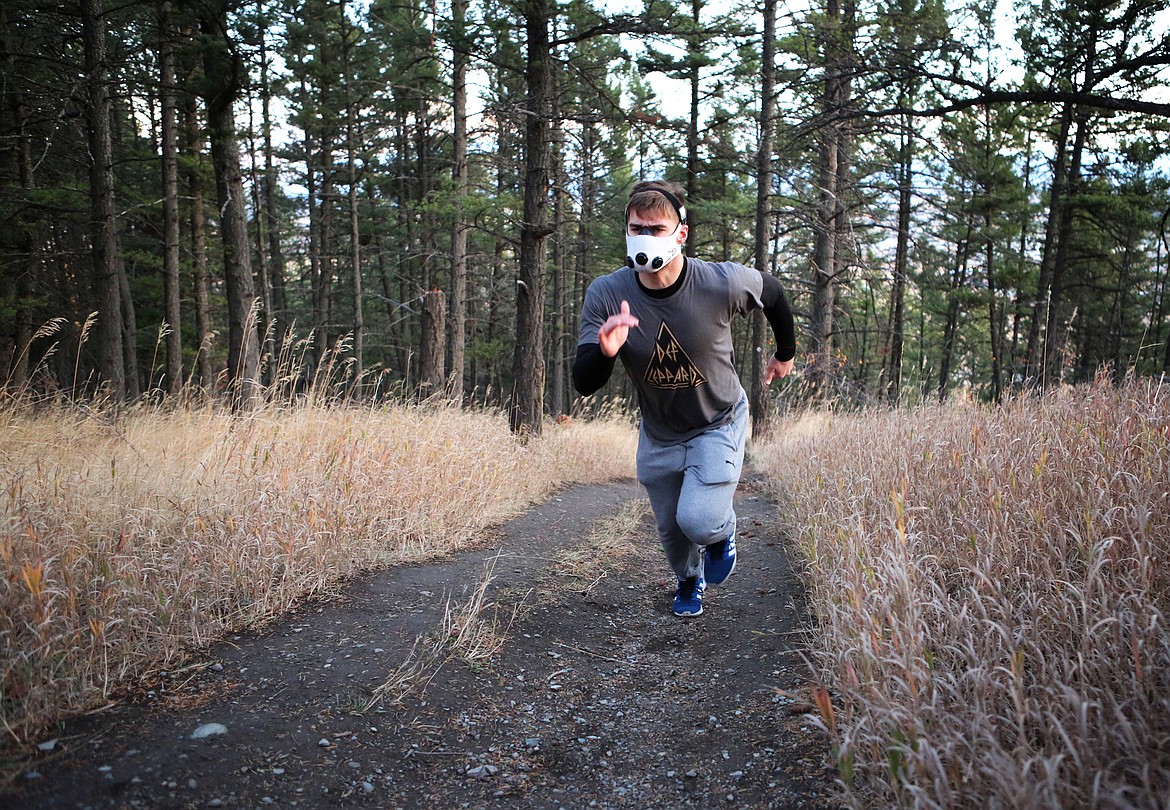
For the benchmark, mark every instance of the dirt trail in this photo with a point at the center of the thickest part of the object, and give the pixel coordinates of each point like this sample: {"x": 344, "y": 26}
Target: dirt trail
{"x": 599, "y": 697}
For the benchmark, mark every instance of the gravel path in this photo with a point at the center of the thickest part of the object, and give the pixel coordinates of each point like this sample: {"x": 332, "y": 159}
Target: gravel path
{"x": 599, "y": 697}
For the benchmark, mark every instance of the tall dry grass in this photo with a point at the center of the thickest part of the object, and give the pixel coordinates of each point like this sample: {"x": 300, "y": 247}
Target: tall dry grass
{"x": 128, "y": 541}
{"x": 992, "y": 588}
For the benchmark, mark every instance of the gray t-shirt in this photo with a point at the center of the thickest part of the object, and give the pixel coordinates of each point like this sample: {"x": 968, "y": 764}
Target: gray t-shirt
{"x": 680, "y": 355}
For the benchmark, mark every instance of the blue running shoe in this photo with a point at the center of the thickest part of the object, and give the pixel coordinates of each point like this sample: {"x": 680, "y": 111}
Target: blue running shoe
{"x": 688, "y": 599}
{"x": 719, "y": 560}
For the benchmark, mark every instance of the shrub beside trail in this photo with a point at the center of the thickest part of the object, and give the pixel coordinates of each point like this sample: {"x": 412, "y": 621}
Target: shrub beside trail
{"x": 992, "y": 589}
{"x": 126, "y": 542}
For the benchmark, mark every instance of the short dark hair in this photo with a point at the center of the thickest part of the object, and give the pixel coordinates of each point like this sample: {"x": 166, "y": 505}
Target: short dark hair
{"x": 657, "y": 197}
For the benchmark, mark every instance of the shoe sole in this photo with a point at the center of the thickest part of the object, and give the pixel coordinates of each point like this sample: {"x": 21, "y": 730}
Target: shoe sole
{"x": 687, "y": 615}
{"x": 730, "y": 571}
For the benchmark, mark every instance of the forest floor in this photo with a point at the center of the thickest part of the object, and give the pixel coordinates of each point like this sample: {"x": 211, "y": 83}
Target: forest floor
{"x": 597, "y": 697}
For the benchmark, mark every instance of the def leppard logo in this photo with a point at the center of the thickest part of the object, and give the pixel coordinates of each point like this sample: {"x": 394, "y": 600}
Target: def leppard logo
{"x": 669, "y": 366}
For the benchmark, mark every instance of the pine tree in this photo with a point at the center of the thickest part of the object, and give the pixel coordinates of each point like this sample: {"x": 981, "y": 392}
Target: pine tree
{"x": 223, "y": 81}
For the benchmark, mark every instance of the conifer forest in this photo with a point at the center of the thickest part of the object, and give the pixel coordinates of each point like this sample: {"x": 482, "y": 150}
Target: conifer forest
{"x": 394, "y": 198}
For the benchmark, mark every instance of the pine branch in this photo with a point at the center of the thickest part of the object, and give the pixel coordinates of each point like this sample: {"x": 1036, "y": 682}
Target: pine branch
{"x": 988, "y": 96}
{"x": 621, "y": 24}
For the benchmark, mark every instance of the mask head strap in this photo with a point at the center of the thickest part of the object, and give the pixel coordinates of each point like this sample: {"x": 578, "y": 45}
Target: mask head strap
{"x": 679, "y": 208}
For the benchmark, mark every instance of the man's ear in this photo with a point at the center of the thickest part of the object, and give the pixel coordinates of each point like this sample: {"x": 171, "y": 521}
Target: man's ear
{"x": 683, "y": 230}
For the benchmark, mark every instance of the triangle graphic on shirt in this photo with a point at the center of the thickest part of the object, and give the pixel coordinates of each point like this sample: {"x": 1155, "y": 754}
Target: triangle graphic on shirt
{"x": 669, "y": 366}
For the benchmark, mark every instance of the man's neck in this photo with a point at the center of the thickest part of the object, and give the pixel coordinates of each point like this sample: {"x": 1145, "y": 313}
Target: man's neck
{"x": 665, "y": 277}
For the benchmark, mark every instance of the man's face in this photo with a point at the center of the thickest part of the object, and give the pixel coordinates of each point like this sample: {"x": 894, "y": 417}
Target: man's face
{"x": 659, "y": 225}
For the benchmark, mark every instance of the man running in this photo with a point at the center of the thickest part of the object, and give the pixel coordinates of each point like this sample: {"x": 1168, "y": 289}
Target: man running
{"x": 668, "y": 317}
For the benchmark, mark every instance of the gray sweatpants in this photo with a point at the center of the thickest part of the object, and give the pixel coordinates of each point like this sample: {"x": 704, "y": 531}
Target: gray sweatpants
{"x": 691, "y": 487}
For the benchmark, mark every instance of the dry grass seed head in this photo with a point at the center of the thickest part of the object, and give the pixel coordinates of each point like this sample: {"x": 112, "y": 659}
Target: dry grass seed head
{"x": 1003, "y": 586}
{"x": 157, "y": 530}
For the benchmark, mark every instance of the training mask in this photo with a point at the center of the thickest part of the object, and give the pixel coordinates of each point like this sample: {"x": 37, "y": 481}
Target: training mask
{"x": 649, "y": 254}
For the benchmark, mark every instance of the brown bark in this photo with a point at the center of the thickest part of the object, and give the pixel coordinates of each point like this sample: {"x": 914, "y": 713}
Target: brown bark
{"x": 526, "y": 409}
{"x": 355, "y": 242}
{"x": 105, "y": 248}
{"x": 558, "y": 381}
{"x": 695, "y": 50}
{"x": 897, "y": 326}
{"x": 829, "y": 257}
{"x": 459, "y": 174}
{"x": 272, "y": 230}
{"x": 951, "y": 324}
{"x": 1054, "y": 341}
{"x": 223, "y": 71}
{"x": 201, "y": 281}
{"x": 311, "y": 197}
{"x": 494, "y": 376}
{"x": 434, "y": 321}
{"x": 129, "y": 328}
{"x": 173, "y": 380}
{"x": 761, "y": 410}
{"x": 585, "y": 221}
{"x": 994, "y": 320}
{"x": 27, "y": 237}
{"x": 264, "y": 325}
{"x": 1034, "y": 357}
{"x": 823, "y": 266}
{"x": 326, "y": 247}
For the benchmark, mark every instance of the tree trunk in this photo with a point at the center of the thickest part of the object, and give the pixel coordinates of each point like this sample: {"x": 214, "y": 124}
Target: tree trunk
{"x": 173, "y": 381}
{"x": 496, "y": 286}
{"x": 264, "y": 325}
{"x": 868, "y": 328}
{"x": 459, "y": 176}
{"x": 1035, "y": 360}
{"x": 104, "y": 227}
{"x": 27, "y": 233}
{"x": 495, "y": 325}
{"x": 951, "y": 325}
{"x": 423, "y": 171}
{"x": 129, "y": 329}
{"x": 901, "y": 261}
{"x": 695, "y": 51}
{"x": 355, "y": 242}
{"x": 823, "y": 267}
{"x": 1055, "y": 328}
{"x": 355, "y": 258}
{"x": 198, "y": 227}
{"x": 760, "y": 407}
{"x": 526, "y": 409}
{"x": 558, "y": 383}
{"x": 829, "y": 258}
{"x": 223, "y": 69}
{"x": 315, "y": 264}
{"x": 1166, "y": 350}
{"x": 268, "y": 211}
{"x": 432, "y": 377}
{"x": 583, "y": 253}
{"x": 394, "y": 312}
{"x": 18, "y": 367}
{"x": 326, "y": 246}
{"x": 994, "y": 327}
{"x": 129, "y": 318}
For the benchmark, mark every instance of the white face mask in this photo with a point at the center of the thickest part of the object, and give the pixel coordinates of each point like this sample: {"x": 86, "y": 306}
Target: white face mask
{"x": 649, "y": 254}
